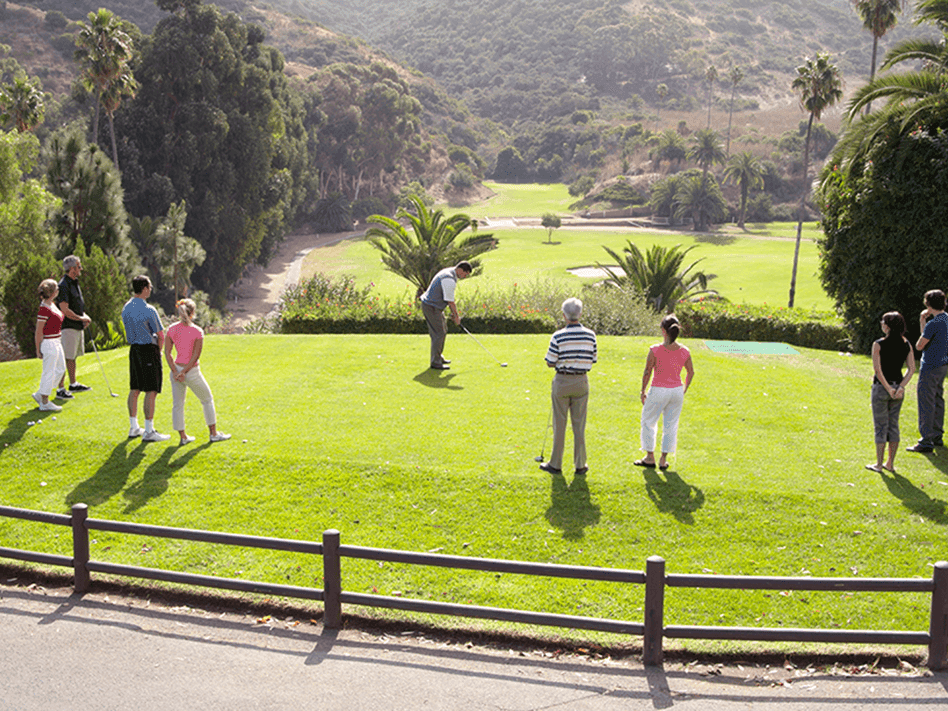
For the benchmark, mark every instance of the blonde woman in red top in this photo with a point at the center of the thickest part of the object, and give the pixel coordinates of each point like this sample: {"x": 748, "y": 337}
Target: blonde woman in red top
{"x": 667, "y": 394}
{"x": 49, "y": 326}
{"x": 188, "y": 341}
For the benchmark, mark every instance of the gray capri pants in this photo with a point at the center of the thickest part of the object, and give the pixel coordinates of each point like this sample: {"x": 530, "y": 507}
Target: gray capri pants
{"x": 885, "y": 414}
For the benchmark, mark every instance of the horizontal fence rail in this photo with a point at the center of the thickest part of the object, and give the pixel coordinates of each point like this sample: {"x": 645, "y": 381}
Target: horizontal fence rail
{"x": 652, "y": 629}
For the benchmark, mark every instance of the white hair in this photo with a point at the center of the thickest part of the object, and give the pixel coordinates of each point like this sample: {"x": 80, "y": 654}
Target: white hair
{"x": 572, "y": 309}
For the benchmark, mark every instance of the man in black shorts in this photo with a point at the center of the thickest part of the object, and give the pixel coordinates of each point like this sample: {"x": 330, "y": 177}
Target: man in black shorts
{"x": 145, "y": 335}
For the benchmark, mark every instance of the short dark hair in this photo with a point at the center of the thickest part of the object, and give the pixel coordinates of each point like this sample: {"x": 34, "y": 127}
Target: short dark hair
{"x": 895, "y": 322}
{"x": 139, "y": 283}
{"x": 671, "y": 326}
{"x": 935, "y": 299}
{"x": 465, "y": 266}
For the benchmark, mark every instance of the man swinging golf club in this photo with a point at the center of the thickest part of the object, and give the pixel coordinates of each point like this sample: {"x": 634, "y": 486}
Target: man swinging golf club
{"x": 438, "y": 297}
{"x": 572, "y": 353}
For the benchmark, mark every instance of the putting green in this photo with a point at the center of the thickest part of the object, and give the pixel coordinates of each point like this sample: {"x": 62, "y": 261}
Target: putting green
{"x": 751, "y": 348}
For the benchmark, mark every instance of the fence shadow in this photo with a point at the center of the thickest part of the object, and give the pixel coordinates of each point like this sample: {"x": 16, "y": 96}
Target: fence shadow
{"x": 154, "y": 481}
{"x": 673, "y": 495}
{"x": 571, "y": 508}
{"x": 915, "y": 499}
{"x": 110, "y": 478}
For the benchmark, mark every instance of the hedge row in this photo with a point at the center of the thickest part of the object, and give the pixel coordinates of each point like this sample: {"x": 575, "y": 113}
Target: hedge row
{"x": 381, "y": 323}
{"x": 722, "y": 320}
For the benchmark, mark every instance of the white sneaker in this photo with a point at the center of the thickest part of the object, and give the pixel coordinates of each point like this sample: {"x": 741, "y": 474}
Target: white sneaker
{"x": 187, "y": 440}
{"x": 50, "y": 407}
{"x": 155, "y": 436}
{"x": 219, "y": 437}
{"x": 134, "y": 432}
{"x": 38, "y": 398}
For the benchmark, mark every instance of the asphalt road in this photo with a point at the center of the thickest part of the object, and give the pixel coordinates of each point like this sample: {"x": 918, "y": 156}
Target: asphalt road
{"x": 105, "y": 650}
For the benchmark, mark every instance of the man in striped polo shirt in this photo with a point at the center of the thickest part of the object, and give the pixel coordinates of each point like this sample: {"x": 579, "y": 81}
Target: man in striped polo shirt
{"x": 572, "y": 353}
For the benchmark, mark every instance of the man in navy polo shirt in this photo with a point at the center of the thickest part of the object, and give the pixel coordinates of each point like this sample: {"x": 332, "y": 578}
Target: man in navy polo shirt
{"x": 933, "y": 343}
{"x": 145, "y": 335}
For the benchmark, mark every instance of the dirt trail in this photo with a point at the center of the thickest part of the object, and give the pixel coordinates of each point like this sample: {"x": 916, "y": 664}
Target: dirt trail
{"x": 257, "y": 292}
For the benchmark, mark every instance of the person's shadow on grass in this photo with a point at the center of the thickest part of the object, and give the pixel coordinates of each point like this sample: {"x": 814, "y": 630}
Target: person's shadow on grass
{"x": 436, "y": 379}
{"x": 110, "y": 477}
{"x": 571, "y": 509}
{"x": 915, "y": 499}
{"x": 673, "y": 495}
{"x": 16, "y": 428}
{"x": 154, "y": 481}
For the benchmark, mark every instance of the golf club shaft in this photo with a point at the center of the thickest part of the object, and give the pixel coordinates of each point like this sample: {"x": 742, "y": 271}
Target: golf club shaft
{"x": 480, "y": 344}
{"x": 101, "y": 367}
{"x": 546, "y": 433}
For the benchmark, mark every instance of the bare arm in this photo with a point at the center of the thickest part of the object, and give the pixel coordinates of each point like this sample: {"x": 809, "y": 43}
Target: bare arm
{"x": 910, "y": 362}
{"x": 195, "y": 355}
{"x": 69, "y": 313}
{"x": 647, "y": 375}
{"x": 690, "y": 372}
{"x": 877, "y": 368}
{"x": 39, "y": 337}
{"x": 454, "y": 313}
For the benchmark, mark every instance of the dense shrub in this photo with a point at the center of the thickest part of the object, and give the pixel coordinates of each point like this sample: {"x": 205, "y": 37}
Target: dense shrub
{"x": 21, "y": 299}
{"x": 723, "y": 320}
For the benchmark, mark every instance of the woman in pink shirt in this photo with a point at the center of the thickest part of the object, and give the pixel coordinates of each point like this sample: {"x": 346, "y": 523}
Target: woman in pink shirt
{"x": 667, "y": 394}
{"x": 188, "y": 340}
{"x": 49, "y": 325}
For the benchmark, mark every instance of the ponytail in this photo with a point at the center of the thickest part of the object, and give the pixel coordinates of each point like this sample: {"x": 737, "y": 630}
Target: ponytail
{"x": 186, "y": 309}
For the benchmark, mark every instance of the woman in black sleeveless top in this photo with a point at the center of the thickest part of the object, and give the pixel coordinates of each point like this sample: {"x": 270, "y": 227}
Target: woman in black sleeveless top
{"x": 889, "y": 354}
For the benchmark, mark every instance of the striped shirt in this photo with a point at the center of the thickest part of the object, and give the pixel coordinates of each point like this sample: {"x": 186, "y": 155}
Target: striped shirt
{"x": 572, "y": 349}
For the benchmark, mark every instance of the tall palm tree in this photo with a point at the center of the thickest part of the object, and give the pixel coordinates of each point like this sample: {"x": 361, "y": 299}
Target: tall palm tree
{"x": 22, "y": 104}
{"x": 746, "y": 172}
{"x": 433, "y": 243}
{"x": 878, "y": 17}
{"x": 711, "y": 75}
{"x": 104, "y": 50}
{"x": 657, "y": 274}
{"x": 124, "y": 85}
{"x": 706, "y": 149}
{"x": 736, "y": 75}
{"x": 819, "y": 86}
{"x": 662, "y": 91}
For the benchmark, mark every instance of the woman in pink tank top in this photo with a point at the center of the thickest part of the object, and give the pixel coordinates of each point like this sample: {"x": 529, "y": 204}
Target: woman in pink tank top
{"x": 667, "y": 395}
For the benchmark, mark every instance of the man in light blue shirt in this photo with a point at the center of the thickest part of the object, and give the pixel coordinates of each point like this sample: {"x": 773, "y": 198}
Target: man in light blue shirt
{"x": 145, "y": 336}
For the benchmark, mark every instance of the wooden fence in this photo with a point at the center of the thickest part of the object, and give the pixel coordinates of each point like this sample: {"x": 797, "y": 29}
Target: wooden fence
{"x": 655, "y": 579}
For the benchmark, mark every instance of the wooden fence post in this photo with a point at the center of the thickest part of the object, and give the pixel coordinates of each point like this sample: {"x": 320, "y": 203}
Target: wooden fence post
{"x": 80, "y": 548}
{"x": 938, "y": 628}
{"x": 332, "y": 581}
{"x": 654, "y": 611}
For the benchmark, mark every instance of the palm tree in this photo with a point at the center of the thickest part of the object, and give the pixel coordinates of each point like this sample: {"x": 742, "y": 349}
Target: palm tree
{"x": 124, "y": 85}
{"x": 671, "y": 147}
{"x": 700, "y": 197}
{"x": 746, "y": 172}
{"x": 664, "y": 197}
{"x": 22, "y": 103}
{"x": 104, "y": 50}
{"x": 706, "y": 149}
{"x": 711, "y": 75}
{"x": 662, "y": 91}
{"x": 878, "y": 17}
{"x": 433, "y": 243}
{"x": 657, "y": 274}
{"x": 736, "y": 75}
{"x": 819, "y": 86}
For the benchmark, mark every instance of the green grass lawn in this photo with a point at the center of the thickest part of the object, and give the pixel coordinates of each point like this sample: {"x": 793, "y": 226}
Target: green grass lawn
{"x": 354, "y": 433}
{"x": 752, "y": 269}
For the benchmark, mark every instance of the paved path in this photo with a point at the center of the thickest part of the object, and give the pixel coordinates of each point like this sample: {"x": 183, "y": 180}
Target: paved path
{"x": 105, "y": 651}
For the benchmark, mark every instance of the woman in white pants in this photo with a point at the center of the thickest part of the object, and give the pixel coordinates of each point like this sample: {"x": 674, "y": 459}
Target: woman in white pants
{"x": 188, "y": 341}
{"x": 49, "y": 324}
{"x": 667, "y": 394}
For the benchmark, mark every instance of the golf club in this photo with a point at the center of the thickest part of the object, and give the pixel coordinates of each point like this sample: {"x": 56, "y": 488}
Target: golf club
{"x": 549, "y": 423}
{"x": 502, "y": 365}
{"x": 96, "y": 351}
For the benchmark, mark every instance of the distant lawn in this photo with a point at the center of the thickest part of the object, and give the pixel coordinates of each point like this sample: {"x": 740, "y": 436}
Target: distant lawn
{"x": 755, "y": 270}
{"x": 355, "y": 433}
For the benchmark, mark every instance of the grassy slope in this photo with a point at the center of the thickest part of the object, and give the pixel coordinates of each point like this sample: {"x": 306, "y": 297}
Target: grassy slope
{"x": 754, "y": 268}
{"x": 769, "y": 478}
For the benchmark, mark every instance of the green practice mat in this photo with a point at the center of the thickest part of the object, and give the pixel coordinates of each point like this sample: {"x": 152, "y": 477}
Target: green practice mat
{"x": 751, "y": 348}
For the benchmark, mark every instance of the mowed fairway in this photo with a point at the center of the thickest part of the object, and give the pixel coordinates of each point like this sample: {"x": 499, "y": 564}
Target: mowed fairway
{"x": 354, "y": 433}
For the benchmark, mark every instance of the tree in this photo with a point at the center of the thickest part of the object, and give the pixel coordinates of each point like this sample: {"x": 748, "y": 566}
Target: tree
{"x": 170, "y": 257}
{"x": 104, "y": 50}
{"x": 711, "y": 76}
{"x": 433, "y": 244}
{"x": 819, "y": 86}
{"x": 20, "y": 298}
{"x": 706, "y": 149}
{"x": 746, "y": 172}
{"x": 736, "y": 75}
{"x": 878, "y": 17}
{"x": 661, "y": 91}
{"x": 657, "y": 274}
{"x": 551, "y": 222}
{"x": 22, "y": 104}
{"x": 699, "y": 196}
{"x": 671, "y": 147}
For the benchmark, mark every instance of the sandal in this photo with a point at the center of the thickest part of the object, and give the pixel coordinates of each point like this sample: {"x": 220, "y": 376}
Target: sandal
{"x": 663, "y": 467}
{"x": 874, "y": 468}
{"x": 644, "y": 463}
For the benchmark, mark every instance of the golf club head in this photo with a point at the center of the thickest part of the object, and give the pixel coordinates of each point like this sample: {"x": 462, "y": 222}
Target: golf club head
{"x": 538, "y": 459}
{"x": 503, "y": 365}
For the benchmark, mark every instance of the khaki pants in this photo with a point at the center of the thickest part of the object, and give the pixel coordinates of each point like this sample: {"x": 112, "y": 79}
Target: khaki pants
{"x": 194, "y": 380}
{"x": 570, "y": 396}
